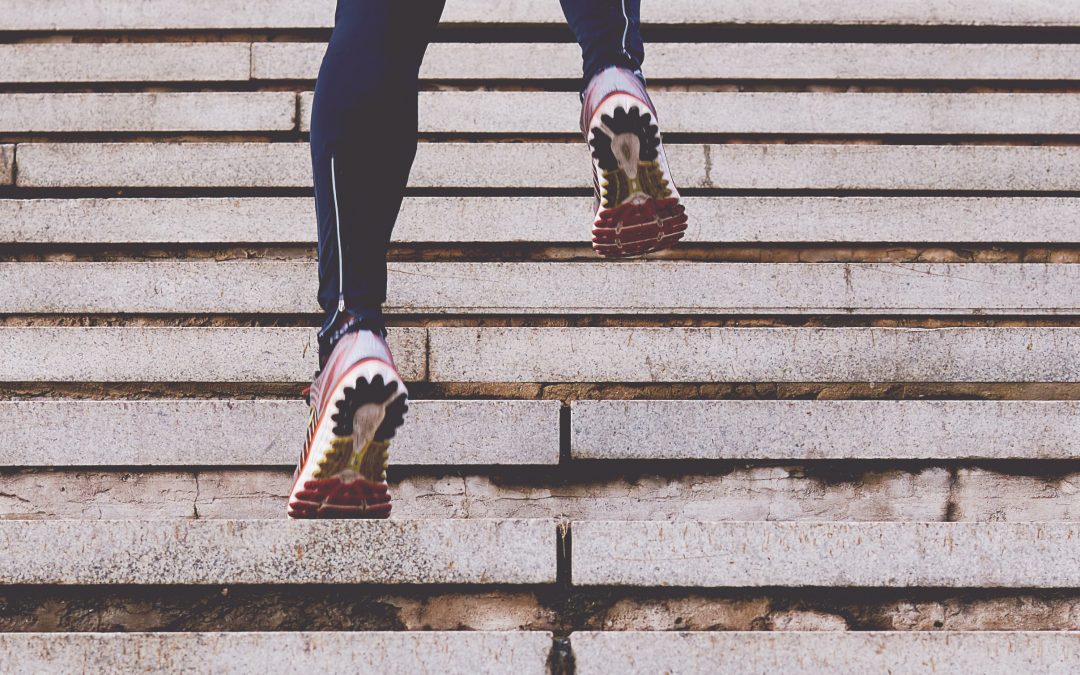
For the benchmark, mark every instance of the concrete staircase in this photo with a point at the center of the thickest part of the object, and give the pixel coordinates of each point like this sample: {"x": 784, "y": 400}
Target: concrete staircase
{"x": 835, "y": 431}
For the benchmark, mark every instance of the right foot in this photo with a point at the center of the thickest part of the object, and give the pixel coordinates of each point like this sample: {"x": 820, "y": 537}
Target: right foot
{"x": 638, "y": 209}
{"x": 358, "y": 401}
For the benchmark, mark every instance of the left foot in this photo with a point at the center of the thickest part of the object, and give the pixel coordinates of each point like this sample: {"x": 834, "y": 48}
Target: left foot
{"x": 638, "y": 209}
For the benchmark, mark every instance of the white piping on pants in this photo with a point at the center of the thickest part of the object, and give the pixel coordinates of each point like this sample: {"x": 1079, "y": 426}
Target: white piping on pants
{"x": 626, "y": 31}
{"x": 340, "y": 253}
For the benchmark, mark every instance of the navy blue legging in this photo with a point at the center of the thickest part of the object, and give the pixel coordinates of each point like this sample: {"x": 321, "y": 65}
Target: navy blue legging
{"x": 364, "y": 128}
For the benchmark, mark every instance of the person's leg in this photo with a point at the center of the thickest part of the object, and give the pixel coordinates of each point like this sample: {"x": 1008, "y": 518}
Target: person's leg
{"x": 638, "y": 209}
{"x": 363, "y": 142}
{"x": 609, "y": 32}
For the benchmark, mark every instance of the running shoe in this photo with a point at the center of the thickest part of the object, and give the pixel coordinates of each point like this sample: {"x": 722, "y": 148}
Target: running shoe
{"x": 357, "y": 402}
{"x": 637, "y": 204}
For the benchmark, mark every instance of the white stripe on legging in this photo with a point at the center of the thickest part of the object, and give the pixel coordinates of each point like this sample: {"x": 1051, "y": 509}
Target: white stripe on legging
{"x": 337, "y": 229}
{"x": 626, "y": 31}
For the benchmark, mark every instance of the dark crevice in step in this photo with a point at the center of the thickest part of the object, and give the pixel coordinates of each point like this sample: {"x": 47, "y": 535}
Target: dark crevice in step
{"x": 560, "y": 610}
{"x": 760, "y": 391}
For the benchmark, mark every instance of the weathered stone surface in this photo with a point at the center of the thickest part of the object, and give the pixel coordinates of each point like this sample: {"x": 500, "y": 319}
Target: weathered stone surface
{"x": 150, "y": 112}
{"x": 144, "y": 354}
{"x": 249, "y": 14}
{"x": 563, "y": 165}
{"x": 825, "y": 429}
{"x": 759, "y": 493}
{"x": 126, "y": 62}
{"x": 153, "y": 220}
{"x": 548, "y": 219}
{"x": 650, "y": 287}
{"x": 7, "y": 164}
{"x": 875, "y": 554}
{"x": 224, "y": 653}
{"x": 848, "y": 653}
{"x": 758, "y": 60}
{"x": 754, "y": 355}
{"x": 262, "y": 433}
{"x": 277, "y": 551}
{"x": 981, "y": 494}
{"x": 757, "y": 113}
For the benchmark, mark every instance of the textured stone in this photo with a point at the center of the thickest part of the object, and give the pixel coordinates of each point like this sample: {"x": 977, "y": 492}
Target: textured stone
{"x": 825, "y": 429}
{"x": 874, "y": 554}
{"x": 651, "y": 287}
{"x": 562, "y": 165}
{"x": 758, "y": 493}
{"x": 263, "y": 433}
{"x": 548, "y": 219}
{"x": 149, "y": 112}
{"x": 254, "y": 14}
{"x": 7, "y": 164}
{"x": 277, "y": 552}
{"x": 758, "y": 113}
{"x": 743, "y": 653}
{"x": 463, "y": 653}
{"x": 754, "y": 355}
{"x": 981, "y": 494}
{"x": 126, "y": 62}
{"x": 142, "y": 354}
{"x": 758, "y": 60}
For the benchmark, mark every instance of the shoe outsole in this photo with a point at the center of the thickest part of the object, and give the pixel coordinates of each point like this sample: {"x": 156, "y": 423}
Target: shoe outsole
{"x": 349, "y": 475}
{"x": 649, "y": 216}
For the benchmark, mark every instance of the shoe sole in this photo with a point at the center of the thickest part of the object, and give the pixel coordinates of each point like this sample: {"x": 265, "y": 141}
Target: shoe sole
{"x": 345, "y": 472}
{"x": 640, "y": 210}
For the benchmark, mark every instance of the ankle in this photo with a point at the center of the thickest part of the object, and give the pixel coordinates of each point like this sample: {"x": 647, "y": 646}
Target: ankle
{"x": 344, "y": 323}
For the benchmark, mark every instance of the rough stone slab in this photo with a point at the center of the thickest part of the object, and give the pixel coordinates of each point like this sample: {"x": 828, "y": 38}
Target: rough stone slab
{"x": 277, "y": 552}
{"x": 157, "y": 220}
{"x": 148, "y": 112}
{"x": 876, "y": 554}
{"x": 754, "y": 355}
{"x": 155, "y": 354}
{"x": 757, "y": 493}
{"x": 7, "y": 164}
{"x": 126, "y": 62}
{"x": 392, "y": 653}
{"x": 757, "y": 113}
{"x": 263, "y": 433}
{"x": 981, "y": 494}
{"x": 252, "y": 14}
{"x": 650, "y": 287}
{"x": 549, "y": 219}
{"x": 759, "y": 61}
{"x": 564, "y": 165}
{"x": 758, "y": 652}
{"x": 825, "y": 429}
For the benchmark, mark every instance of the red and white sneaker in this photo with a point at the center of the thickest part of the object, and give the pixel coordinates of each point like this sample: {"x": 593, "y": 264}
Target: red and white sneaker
{"x": 357, "y": 401}
{"x": 638, "y": 209}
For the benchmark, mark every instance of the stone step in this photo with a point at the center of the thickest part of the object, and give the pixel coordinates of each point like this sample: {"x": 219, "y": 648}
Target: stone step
{"x": 153, "y": 112}
{"x": 7, "y": 164}
{"x": 263, "y": 433}
{"x": 651, "y": 287}
{"x": 557, "y": 112}
{"x": 502, "y": 433}
{"x": 159, "y": 354}
{"x": 137, "y": 220}
{"x": 199, "y": 552}
{"x": 813, "y": 652}
{"x": 754, "y": 113}
{"x": 711, "y": 61}
{"x": 825, "y": 554}
{"x": 753, "y": 355}
{"x": 613, "y": 492}
{"x": 68, "y": 15}
{"x": 242, "y": 61}
{"x": 152, "y": 354}
{"x": 387, "y": 653}
{"x": 807, "y": 430}
{"x": 564, "y": 165}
